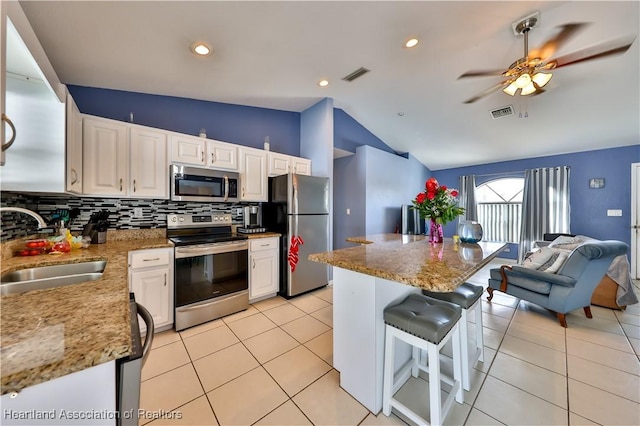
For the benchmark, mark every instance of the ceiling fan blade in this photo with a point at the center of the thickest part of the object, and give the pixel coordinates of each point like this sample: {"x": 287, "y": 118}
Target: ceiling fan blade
{"x": 614, "y": 47}
{"x": 479, "y": 73}
{"x": 552, "y": 45}
{"x": 489, "y": 91}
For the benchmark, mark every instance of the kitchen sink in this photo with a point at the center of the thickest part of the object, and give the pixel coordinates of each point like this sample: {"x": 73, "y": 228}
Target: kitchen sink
{"x": 43, "y": 277}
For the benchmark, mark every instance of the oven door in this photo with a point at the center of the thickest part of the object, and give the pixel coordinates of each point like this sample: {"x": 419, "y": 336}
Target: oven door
{"x": 211, "y": 280}
{"x": 203, "y": 185}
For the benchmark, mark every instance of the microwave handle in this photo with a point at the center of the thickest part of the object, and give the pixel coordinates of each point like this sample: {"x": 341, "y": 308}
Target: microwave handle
{"x": 226, "y": 188}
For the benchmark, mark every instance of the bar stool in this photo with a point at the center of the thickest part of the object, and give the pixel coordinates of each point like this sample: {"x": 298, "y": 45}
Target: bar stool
{"x": 467, "y": 296}
{"x": 426, "y": 324}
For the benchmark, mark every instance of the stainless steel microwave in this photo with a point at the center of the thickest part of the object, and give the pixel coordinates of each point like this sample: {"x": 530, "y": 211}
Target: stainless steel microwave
{"x": 203, "y": 185}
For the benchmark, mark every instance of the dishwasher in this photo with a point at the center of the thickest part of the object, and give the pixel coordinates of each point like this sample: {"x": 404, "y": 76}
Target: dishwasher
{"x": 129, "y": 369}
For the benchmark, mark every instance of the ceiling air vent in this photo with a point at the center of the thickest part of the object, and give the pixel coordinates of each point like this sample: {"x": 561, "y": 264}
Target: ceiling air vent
{"x": 502, "y": 112}
{"x": 357, "y": 73}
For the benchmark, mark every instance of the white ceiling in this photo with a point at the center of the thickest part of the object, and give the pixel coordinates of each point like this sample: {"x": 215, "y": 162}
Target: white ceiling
{"x": 272, "y": 54}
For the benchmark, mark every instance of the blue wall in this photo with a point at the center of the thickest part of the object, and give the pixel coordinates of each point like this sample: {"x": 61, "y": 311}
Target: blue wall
{"x": 374, "y": 184}
{"x": 349, "y": 134}
{"x": 588, "y": 206}
{"x": 243, "y": 125}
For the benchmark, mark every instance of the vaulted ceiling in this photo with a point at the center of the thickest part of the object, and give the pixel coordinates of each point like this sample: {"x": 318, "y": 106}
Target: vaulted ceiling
{"x": 272, "y": 54}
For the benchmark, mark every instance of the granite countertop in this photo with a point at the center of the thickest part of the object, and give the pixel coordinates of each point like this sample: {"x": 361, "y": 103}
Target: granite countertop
{"x": 411, "y": 259}
{"x": 51, "y": 333}
{"x": 263, "y": 235}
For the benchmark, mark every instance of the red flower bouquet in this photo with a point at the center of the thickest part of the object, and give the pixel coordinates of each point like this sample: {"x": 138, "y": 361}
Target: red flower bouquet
{"x": 437, "y": 203}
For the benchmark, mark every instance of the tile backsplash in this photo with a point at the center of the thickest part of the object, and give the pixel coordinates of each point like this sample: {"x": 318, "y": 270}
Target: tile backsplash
{"x": 154, "y": 212}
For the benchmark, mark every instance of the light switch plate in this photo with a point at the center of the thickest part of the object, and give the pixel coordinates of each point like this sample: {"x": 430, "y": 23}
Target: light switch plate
{"x": 614, "y": 212}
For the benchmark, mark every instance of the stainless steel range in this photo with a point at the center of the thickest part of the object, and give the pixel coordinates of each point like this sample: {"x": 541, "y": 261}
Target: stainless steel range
{"x": 211, "y": 274}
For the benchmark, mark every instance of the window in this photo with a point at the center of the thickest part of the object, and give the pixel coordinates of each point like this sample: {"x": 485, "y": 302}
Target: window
{"x": 500, "y": 209}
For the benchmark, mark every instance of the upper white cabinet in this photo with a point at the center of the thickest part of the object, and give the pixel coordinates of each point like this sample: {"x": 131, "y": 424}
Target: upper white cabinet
{"x": 204, "y": 152}
{"x": 222, "y": 155}
{"x": 187, "y": 149}
{"x": 148, "y": 165}
{"x": 73, "y": 147}
{"x": 301, "y": 166}
{"x": 106, "y": 158}
{"x": 279, "y": 164}
{"x": 124, "y": 160}
{"x": 253, "y": 174}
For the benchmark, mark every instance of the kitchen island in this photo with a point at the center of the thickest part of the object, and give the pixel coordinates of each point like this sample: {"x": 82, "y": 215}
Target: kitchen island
{"x": 385, "y": 268}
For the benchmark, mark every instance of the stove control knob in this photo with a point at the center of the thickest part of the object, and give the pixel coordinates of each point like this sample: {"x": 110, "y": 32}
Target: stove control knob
{"x": 181, "y": 219}
{"x": 173, "y": 219}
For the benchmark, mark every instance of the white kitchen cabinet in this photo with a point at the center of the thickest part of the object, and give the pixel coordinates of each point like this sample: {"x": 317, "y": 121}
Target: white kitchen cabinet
{"x": 73, "y": 147}
{"x": 92, "y": 390}
{"x": 263, "y": 268}
{"x": 253, "y": 174}
{"x": 187, "y": 149}
{"x": 148, "y": 166}
{"x": 221, "y": 155}
{"x": 301, "y": 166}
{"x": 124, "y": 160}
{"x": 279, "y": 164}
{"x": 151, "y": 280}
{"x": 105, "y": 157}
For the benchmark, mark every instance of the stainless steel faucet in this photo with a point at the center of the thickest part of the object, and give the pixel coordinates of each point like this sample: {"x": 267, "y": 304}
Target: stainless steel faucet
{"x": 36, "y": 216}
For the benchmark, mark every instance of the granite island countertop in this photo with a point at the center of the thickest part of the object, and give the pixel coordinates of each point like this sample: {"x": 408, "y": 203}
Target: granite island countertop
{"x": 412, "y": 259}
{"x": 50, "y": 333}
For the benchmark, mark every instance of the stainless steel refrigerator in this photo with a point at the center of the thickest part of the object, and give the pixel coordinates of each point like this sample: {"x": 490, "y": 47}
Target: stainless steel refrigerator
{"x": 298, "y": 208}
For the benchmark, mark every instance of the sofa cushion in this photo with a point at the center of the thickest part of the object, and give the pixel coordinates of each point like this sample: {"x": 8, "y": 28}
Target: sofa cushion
{"x": 567, "y": 243}
{"x": 546, "y": 259}
{"x": 535, "y": 285}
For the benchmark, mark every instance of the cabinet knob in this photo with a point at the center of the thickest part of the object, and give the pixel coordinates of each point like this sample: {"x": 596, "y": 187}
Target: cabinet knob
{"x": 74, "y": 179}
{"x": 120, "y": 184}
{"x": 202, "y": 156}
{"x": 134, "y": 185}
{"x": 253, "y": 266}
{"x": 213, "y": 157}
{"x": 165, "y": 279}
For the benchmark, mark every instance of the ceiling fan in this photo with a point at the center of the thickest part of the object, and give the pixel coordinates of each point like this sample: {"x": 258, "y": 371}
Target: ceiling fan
{"x": 529, "y": 74}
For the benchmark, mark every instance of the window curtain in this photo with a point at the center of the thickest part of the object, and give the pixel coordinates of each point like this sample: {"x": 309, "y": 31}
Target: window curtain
{"x": 467, "y": 194}
{"x": 545, "y": 205}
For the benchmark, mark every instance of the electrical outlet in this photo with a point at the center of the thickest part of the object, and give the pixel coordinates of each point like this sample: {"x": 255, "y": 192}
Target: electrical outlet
{"x": 238, "y": 211}
{"x": 137, "y": 212}
{"x": 614, "y": 212}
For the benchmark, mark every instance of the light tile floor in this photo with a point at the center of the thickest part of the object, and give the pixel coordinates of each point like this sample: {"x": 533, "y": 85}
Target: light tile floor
{"x": 272, "y": 365}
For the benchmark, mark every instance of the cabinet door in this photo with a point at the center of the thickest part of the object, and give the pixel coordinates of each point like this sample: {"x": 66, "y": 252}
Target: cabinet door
{"x": 301, "y": 166}
{"x": 152, "y": 290}
{"x": 186, "y": 149}
{"x": 105, "y": 154}
{"x": 263, "y": 273}
{"x": 253, "y": 175}
{"x": 149, "y": 168}
{"x": 279, "y": 164}
{"x": 74, "y": 147}
{"x": 221, "y": 155}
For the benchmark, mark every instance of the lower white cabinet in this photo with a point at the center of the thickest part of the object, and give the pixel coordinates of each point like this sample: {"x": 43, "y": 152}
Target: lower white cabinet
{"x": 151, "y": 280}
{"x": 66, "y": 400}
{"x": 263, "y": 268}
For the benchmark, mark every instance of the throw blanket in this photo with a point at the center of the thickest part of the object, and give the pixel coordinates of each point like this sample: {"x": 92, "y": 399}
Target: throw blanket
{"x": 619, "y": 271}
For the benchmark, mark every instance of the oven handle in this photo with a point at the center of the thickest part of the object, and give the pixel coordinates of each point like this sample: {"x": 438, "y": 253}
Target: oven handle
{"x": 226, "y": 187}
{"x": 182, "y": 252}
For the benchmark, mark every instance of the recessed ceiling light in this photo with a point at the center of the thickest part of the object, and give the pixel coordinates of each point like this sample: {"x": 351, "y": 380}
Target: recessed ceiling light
{"x": 323, "y": 83}
{"x": 200, "y": 49}
{"x": 412, "y": 42}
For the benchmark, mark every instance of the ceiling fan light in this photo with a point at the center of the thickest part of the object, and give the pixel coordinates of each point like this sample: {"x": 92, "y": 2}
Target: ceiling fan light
{"x": 523, "y": 81}
{"x": 527, "y": 90}
{"x": 541, "y": 78}
{"x": 510, "y": 89}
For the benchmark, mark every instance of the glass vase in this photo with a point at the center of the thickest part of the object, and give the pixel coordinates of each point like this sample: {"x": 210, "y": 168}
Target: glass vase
{"x": 435, "y": 232}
